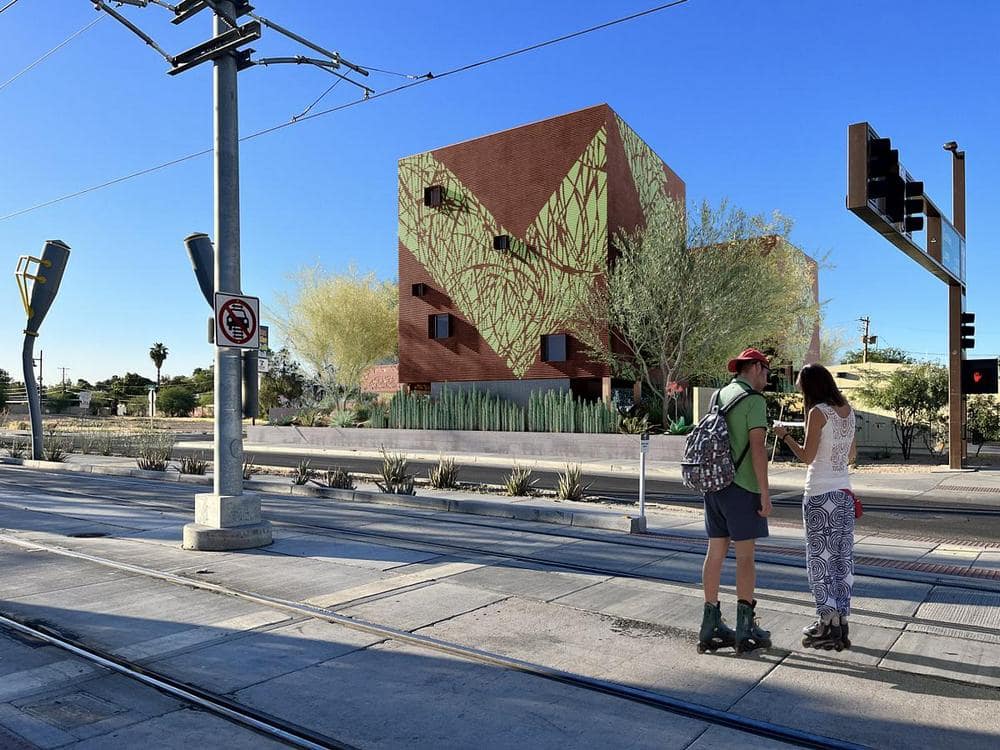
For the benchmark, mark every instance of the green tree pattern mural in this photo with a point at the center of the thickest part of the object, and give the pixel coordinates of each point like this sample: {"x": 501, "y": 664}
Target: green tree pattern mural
{"x": 514, "y": 297}
{"x": 647, "y": 171}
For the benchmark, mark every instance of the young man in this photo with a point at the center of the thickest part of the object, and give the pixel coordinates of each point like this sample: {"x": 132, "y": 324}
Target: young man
{"x": 739, "y": 512}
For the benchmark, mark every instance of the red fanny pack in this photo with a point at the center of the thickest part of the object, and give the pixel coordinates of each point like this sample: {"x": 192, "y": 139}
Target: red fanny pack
{"x": 858, "y": 510}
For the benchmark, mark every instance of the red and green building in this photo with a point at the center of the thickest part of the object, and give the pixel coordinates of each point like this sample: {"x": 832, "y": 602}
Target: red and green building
{"x": 500, "y": 235}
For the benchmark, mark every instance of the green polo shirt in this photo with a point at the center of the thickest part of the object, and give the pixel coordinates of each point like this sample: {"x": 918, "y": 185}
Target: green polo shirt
{"x": 749, "y": 414}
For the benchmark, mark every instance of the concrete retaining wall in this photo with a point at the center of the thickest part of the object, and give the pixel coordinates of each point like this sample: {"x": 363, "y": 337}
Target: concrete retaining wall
{"x": 583, "y": 447}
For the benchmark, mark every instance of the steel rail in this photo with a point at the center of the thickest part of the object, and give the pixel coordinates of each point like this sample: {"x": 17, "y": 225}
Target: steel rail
{"x": 650, "y": 698}
{"x": 221, "y": 706}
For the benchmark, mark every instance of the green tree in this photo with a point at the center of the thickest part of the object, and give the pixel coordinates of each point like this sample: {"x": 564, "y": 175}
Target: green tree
{"x": 158, "y": 353}
{"x": 342, "y": 323}
{"x": 284, "y": 379}
{"x": 203, "y": 379}
{"x": 686, "y": 292}
{"x": 915, "y": 395}
{"x": 176, "y": 401}
{"x": 983, "y": 421}
{"x": 4, "y": 387}
{"x": 887, "y": 355}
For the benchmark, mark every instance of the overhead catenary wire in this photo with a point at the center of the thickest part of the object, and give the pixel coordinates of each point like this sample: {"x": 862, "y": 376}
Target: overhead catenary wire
{"x": 8, "y": 6}
{"x": 48, "y": 54}
{"x": 427, "y": 78}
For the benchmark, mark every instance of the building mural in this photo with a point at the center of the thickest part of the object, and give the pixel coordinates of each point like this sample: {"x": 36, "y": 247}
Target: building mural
{"x": 557, "y": 253}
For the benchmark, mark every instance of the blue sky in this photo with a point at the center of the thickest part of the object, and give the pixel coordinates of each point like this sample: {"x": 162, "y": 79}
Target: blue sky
{"x": 749, "y": 101}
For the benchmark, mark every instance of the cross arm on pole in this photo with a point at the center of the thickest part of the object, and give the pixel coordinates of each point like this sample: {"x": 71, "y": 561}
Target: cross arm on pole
{"x": 100, "y": 5}
{"x": 335, "y": 56}
{"x": 327, "y": 65}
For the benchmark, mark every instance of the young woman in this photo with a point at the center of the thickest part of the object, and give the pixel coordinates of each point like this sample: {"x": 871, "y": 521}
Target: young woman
{"x": 827, "y": 504}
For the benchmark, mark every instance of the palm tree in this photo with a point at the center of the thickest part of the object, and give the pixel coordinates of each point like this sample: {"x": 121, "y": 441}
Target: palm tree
{"x": 158, "y": 353}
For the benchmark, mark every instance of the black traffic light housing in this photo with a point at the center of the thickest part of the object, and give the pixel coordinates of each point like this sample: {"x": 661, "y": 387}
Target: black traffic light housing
{"x": 202, "y": 253}
{"x": 979, "y": 376}
{"x": 967, "y": 330}
{"x": 913, "y": 206}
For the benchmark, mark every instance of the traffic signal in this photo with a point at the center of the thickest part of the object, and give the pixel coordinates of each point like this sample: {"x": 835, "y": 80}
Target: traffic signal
{"x": 979, "y": 376}
{"x": 967, "y": 330}
{"x": 202, "y": 254}
{"x": 913, "y": 205}
{"x": 883, "y": 163}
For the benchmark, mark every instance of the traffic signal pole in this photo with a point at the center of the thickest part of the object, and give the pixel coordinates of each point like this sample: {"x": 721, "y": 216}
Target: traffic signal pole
{"x": 956, "y": 306}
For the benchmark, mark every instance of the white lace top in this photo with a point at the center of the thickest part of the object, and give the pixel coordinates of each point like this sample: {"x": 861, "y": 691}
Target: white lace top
{"x": 828, "y": 471}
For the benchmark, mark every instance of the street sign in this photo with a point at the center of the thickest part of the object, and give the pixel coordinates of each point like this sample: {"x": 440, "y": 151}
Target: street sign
{"x": 644, "y": 443}
{"x": 236, "y": 321}
{"x": 263, "y": 365}
{"x": 264, "y": 338}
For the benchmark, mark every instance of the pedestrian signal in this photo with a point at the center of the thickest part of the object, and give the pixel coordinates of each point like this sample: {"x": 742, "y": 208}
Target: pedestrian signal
{"x": 979, "y": 376}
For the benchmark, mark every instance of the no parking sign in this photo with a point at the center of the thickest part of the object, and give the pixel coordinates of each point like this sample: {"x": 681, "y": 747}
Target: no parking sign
{"x": 237, "y": 321}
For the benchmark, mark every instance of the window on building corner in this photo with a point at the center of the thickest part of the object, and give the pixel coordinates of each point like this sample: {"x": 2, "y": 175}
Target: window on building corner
{"x": 439, "y": 326}
{"x": 555, "y": 347}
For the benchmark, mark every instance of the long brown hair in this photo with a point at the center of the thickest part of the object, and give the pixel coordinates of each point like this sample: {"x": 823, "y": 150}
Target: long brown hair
{"x": 818, "y": 387}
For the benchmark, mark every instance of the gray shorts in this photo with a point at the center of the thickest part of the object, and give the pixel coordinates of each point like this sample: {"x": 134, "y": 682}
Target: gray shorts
{"x": 732, "y": 513}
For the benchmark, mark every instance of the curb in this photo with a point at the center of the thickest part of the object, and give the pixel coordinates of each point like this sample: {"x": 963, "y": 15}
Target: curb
{"x": 626, "y": 523}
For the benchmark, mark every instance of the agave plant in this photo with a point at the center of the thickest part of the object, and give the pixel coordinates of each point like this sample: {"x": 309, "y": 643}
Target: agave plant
{"x": 445, "y": 474}
{"x": 395, "y": 478}
{"x": 154, "y": 450}
{"x": 248, "y": 467}
{"x": 193, "y": 465}
{"x": 679, "y": 426}
{"x": 337, "y": 479}
{"x": 571, "y": 485}
{"x": 519, "y": 482}
{"x": 303, "y": 472}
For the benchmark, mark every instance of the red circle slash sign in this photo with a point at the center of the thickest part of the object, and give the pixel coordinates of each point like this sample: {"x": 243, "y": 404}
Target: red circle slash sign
{"x": 237, "y": 321}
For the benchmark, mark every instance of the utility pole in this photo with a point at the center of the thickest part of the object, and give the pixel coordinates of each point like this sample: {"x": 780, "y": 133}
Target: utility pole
{"x": 227, "y": 518}
{"x": 63, "y": 370}
{"x": 865, "y": 322}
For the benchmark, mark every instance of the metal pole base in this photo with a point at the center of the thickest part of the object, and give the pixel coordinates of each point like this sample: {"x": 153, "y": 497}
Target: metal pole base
{"x": 226, "y": 522}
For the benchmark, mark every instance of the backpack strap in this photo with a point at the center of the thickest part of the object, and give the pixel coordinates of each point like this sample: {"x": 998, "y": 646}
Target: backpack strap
{"x": 747, "y": 392}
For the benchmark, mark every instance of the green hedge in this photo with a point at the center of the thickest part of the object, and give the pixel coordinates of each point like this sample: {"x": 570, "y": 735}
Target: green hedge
{"x": 550, "y": 411}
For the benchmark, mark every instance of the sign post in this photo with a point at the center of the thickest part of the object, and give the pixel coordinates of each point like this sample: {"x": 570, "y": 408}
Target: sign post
{"x": 643, "y": 450}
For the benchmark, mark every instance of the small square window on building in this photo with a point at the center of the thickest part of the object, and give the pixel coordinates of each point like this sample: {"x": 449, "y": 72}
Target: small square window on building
{"x": 434, "y": 196}
{"x": 418, "y": 290}
{"x": 501, "y": 242}
{"x": 555, "y": 347}
{"x": 439, "y": 326}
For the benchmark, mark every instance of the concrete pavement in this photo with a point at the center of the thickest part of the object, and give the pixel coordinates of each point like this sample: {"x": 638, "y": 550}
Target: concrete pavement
{"x": 925, "y": 669}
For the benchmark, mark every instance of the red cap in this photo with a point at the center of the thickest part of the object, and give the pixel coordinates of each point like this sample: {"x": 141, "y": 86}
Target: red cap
{"x": 748, "y": 355}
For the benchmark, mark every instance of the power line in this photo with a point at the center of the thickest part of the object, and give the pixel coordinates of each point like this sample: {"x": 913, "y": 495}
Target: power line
{"x": 8, "y": 5}
{"x": 48, "y": 54}
{"x": 427, "y": 78}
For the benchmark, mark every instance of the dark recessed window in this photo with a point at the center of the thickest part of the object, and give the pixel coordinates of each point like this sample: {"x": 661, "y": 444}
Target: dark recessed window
{"x": 439, "y": 326}
{"x": 554, "y": 348}
{"x": 434, "y": 196}
{"x": 418, "y": 290}
{"x": 501, "y": 242}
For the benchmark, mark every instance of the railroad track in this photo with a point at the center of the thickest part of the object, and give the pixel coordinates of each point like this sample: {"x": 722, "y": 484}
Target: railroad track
{"x": 778, "y": 556}
{"x": 303, "y": 737}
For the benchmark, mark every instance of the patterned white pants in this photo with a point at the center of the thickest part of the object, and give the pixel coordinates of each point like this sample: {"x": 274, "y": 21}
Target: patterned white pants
{"x": 829, "y": 524}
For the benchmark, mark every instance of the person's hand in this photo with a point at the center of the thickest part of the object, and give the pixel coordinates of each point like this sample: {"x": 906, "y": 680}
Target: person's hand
{"x": 765, "y": 505}
{"x": 780, "y": 432}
